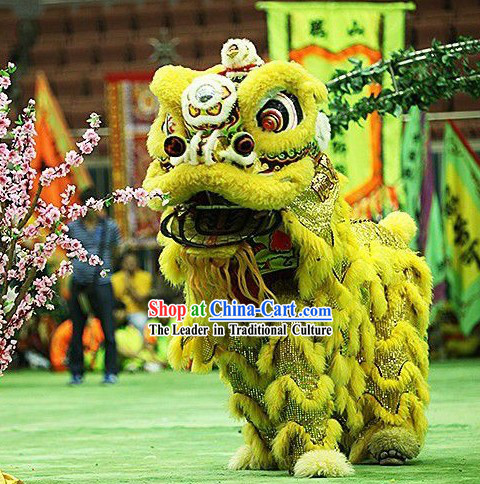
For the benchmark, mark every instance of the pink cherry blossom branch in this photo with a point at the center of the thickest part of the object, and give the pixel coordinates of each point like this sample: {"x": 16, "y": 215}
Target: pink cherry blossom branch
{"x": 27, "y": 246}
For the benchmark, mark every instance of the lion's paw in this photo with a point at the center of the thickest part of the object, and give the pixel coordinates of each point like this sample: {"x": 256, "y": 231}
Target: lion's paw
{"x": 393, "y": 446}
{"x": 241, "y": 459}
{"x": 245, "y": 458}
{"x": 323, "y": 463}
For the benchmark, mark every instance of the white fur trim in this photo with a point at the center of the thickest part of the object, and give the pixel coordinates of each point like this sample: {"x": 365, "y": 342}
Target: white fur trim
{"x": 241, "y": 459}
{"x": 322, "y": 131}
{"x": 217, "y": 82}
{"x": 231, "y": 155}
{"x": 177, "y": 160}
{"x": 210, "y": 80}
{"x": 192, "y": 149}
{"x": 247, "y": 54}
{"x": 323, "y": 463}
{"x": 210, "y": 147}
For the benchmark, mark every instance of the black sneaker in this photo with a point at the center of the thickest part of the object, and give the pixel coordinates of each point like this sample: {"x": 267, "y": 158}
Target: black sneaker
{"x": 76, "y": 380}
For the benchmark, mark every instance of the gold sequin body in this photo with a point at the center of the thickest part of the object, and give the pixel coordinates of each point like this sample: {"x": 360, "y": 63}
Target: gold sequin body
{"x": 302, "y": 393}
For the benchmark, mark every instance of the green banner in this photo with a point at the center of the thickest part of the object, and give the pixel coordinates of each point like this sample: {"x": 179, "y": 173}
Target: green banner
{"x": 435, "y": 250}
{"x": 323, "y": 37}
{"x": 413, "y": 162}
{"x": 461, "y": 199}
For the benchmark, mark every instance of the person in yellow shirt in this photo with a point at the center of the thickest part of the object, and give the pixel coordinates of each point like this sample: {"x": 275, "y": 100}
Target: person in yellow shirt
{"x": 132, "y": 286}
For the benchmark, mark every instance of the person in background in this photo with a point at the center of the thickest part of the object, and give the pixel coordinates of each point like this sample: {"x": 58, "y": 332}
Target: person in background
{"x": 132, "y": 286}
{"x": 100, "y": 236}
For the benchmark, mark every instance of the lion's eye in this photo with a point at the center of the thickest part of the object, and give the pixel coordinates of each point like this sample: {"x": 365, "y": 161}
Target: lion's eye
{"x": 168, "y": 126}
{"x": 280, "y": 112}
{"x": 271, "y": 120}
{"x": 193, "y": 111}
{"x": 214, "y": 110}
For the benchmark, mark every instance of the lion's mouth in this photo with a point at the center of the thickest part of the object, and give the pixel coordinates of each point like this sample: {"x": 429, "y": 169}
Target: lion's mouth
{"x": 209, "y": 220}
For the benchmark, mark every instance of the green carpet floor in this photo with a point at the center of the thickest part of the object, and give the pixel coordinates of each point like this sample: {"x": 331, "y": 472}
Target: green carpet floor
{"x": 174, "y": 427}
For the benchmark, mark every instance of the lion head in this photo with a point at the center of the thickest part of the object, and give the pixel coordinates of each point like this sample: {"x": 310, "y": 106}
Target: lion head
{"x": 235, "y": 145}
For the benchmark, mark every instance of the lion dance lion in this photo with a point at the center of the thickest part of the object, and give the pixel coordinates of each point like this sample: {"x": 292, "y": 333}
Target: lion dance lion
{"x": 255, "y": 213}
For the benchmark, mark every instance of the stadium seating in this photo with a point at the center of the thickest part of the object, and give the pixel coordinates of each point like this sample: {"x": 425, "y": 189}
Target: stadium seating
{"x": 119, "y": 17}
{"x": 77, "y": 45}
{"x": 150, "y": 15}
{"x": 467, "y": 25}
{"x": 437, "y": 26}
{"x": 9, "y": 33}
{"x": 53, "y": 20}
{"x": 181, "y": 15}
{"x": 218, "y": 15}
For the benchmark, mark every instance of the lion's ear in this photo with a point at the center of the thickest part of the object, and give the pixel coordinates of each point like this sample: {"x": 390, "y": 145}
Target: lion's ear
{"x": 319, "y": 90}
{"x": 168, "y": 84}
{"x": 156, "y": 137}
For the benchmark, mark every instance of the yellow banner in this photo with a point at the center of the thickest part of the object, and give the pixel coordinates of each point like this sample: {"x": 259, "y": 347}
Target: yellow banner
{"x": 323, "y": 37}
{"x": 461, "y": 199}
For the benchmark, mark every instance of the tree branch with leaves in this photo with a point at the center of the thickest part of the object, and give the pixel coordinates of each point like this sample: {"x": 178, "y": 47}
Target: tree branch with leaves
{"x": 409, "y": 78}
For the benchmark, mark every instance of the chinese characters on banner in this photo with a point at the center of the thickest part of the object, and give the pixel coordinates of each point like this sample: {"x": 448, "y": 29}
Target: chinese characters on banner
{"x": 132, "y": 109}
{"x": 461, "y": 209}
{"x": 323, "y": 36}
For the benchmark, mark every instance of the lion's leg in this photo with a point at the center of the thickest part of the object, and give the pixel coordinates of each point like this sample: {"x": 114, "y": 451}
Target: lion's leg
{"x": 238, "y": 368}
{"x": 299, "y": 400}
{"x": 256, "y": 453}
{"x": 396, "y": 393}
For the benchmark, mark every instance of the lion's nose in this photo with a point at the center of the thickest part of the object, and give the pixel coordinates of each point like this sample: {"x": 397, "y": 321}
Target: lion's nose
{"x": 204, "y": 93}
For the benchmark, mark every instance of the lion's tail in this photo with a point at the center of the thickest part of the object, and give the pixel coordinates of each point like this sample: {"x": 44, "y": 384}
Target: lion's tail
{"x": 401, "y": 224}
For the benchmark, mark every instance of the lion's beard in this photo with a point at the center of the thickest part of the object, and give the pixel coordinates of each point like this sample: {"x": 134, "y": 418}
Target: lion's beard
{"x": 228, "y": 273}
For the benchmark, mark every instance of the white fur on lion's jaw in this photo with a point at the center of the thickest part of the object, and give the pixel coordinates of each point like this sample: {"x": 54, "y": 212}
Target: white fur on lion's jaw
{"x": 232, "y": 156}
{"x": 322, "y": 131}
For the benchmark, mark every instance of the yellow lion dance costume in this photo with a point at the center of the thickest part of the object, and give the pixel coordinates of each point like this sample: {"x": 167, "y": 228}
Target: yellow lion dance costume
{"x": 255, "y": 213}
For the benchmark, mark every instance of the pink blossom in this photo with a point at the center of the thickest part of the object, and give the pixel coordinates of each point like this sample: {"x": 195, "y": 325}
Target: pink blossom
{"x": 31, "y": 231}
{"x": 94, "y": 260}
{"x": 94, "y": 121}
{"x": 48, "y": 216}
{"x": 65, "y": 268}
{"x": 5, "y": 82}
{"x": 39, "y": 262}
{"x": 47, "y": 176}
{"x": 76, "y": 211}
{"x": 29, "y": 152}
{"x": 96, "y": 205}
{"x": 4, "y": 125}
{"x": 67, "y": 194}
{"x": 4, "y": 101}
{"x": 85, "y": 147}
{"x": 91, "y": 136}
{"x": 29, "y": 128}
{"x": 72, "y": 158}
{"x": 30, "y": 245}
{"x": 44, "y": 289}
